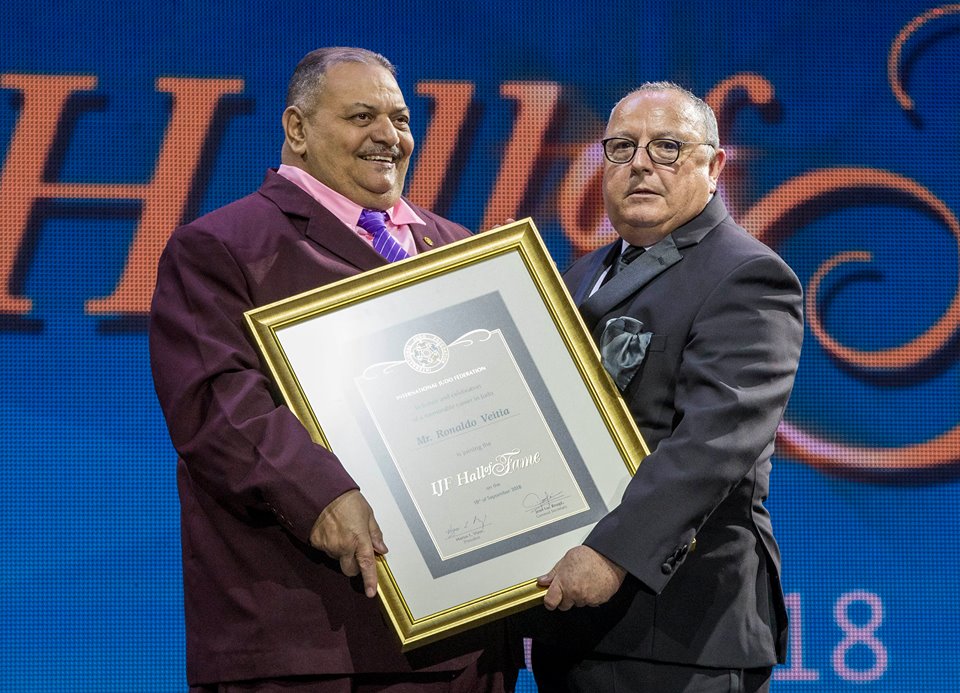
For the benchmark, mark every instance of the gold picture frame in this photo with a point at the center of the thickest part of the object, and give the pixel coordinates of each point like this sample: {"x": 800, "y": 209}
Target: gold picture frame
{"x": 462, "y": 391}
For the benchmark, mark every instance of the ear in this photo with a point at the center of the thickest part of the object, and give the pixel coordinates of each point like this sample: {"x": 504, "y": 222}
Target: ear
{"x": 294, "y": 130}
{"x": 716, "y": 166}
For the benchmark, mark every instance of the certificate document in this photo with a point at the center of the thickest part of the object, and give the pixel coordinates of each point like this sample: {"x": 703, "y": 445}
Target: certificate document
{"x": 467, "y": 430}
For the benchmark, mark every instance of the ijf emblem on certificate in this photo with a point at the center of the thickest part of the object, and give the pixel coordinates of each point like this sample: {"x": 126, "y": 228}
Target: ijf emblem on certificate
{"x": 426, "y": 353}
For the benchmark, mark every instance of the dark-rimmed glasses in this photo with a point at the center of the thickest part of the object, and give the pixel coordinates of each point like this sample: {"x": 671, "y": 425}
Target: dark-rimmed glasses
{"x": 620, "y": 150}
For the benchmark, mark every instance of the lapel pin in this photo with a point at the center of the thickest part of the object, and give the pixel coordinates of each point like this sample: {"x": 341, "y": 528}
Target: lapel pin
{"x": 428, "y": 241}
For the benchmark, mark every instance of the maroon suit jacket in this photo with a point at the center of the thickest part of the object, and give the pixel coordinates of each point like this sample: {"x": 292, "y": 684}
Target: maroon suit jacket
{"x": 259, "y": 601}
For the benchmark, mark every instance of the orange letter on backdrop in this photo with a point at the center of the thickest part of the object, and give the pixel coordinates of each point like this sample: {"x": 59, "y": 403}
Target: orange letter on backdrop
{"x": 451, "y": 102}
{"x": 537, "y": 102}
{"x": 164, "y": 197}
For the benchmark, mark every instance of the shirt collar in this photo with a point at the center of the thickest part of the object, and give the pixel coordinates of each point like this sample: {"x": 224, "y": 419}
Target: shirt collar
{"x": 343, "y": 208}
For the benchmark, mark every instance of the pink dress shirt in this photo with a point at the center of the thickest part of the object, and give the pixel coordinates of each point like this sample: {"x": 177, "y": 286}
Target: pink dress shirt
{"x": 399, "y": 217}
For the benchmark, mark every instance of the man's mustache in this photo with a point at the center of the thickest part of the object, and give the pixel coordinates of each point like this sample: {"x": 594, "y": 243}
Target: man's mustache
{"x": 393, "y": 152}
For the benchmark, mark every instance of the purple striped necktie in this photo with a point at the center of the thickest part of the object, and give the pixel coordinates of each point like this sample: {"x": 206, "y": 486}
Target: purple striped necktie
{"x": 374, "y": 222}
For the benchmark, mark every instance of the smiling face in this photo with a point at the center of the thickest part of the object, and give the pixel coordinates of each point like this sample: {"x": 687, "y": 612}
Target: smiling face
{"x": 354, "y": 137}
{"x": 647, "y": 201}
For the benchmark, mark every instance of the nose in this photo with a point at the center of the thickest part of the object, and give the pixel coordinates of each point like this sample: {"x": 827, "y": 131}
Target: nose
{"x": 641, "y": 160}
{"x": 384, "y": 132}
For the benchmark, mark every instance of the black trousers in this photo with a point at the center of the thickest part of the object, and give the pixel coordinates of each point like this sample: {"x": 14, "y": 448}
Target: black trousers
{"x": 615, "y": 675}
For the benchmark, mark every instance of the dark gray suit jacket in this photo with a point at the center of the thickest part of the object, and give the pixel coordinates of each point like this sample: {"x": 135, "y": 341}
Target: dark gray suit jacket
{"x": 726, "y": 317}
{"x": 259, "y": 601}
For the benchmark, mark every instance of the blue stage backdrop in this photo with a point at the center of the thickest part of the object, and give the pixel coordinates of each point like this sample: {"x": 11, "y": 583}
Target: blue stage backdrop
{"x": 120, "y": 120}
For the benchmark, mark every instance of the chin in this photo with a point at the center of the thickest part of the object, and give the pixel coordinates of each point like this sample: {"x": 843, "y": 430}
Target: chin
{"x": 639, "y": 222}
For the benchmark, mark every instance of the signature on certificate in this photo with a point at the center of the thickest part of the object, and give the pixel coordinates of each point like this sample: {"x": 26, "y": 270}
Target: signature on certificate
{"x": 470, "y": 529}
{"x": 543, "y": 503}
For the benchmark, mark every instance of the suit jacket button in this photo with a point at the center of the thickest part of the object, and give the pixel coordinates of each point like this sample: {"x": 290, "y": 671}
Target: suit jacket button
{"x": 666, "y": 568}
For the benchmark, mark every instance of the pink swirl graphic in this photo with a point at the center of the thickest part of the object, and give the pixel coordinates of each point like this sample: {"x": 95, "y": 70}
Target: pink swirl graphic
{"x": 896, "y": 50}
{"x": 769, "y": 220}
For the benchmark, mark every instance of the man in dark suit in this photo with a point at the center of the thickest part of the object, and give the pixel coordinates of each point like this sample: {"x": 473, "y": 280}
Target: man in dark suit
{"x": 278, "y": 542}
{"x": 678, "y": 588}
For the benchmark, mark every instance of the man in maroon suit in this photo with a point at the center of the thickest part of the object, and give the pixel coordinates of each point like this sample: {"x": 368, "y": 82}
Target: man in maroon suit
{"x": 279, "y": 543}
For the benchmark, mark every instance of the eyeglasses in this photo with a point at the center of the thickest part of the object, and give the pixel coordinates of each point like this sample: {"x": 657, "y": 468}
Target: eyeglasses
{"x": 619, "y": 150}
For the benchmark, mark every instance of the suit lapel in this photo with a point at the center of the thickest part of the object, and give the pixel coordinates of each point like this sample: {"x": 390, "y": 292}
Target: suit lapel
{"x": 656, "y": 260}
{"x": 630, "y": 280}
{"x": 426, "y": 236}
{"x": 318, "y": 224}
{"x": 324, "y": 229}
{"x": 590, "y": 273}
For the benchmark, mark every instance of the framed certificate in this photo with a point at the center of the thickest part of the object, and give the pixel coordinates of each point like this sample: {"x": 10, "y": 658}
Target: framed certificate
{"x": 462, "y": 392}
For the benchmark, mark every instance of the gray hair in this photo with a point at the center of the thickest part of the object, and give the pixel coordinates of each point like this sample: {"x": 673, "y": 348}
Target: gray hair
{"x": 707, "y": 116}
{"x": 307, "y": 79}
